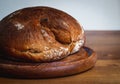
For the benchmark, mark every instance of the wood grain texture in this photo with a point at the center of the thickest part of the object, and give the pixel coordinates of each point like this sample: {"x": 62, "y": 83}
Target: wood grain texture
{"x": 106, "y": 70}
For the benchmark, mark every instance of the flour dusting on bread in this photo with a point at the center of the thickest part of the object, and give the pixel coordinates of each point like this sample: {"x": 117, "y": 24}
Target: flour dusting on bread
{"x": 46, "y": 35}
{"x": 78, "y": 45}
{"x": 19, "y": 26}
{"x": 56, "y": 53}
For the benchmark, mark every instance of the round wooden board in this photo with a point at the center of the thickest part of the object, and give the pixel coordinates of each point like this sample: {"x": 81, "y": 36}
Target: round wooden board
{"x": 73, "y": 64}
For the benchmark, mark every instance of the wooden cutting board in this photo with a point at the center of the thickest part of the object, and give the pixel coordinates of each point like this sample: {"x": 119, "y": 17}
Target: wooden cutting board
{"x": 75, "y": 63}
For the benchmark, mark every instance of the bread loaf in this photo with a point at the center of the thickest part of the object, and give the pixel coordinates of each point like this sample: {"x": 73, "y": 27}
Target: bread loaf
{"x": 40, "y": 34}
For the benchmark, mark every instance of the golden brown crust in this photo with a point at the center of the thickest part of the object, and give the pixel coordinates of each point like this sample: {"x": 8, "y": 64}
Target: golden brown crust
{"x": 40, "y": 34}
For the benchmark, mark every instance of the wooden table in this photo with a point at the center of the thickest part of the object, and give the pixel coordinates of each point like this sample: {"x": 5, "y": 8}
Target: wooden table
{"x": 106, "y": 70}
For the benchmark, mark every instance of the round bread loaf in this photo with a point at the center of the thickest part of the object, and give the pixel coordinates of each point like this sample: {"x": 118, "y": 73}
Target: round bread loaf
{"x": 40, "y": 34}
